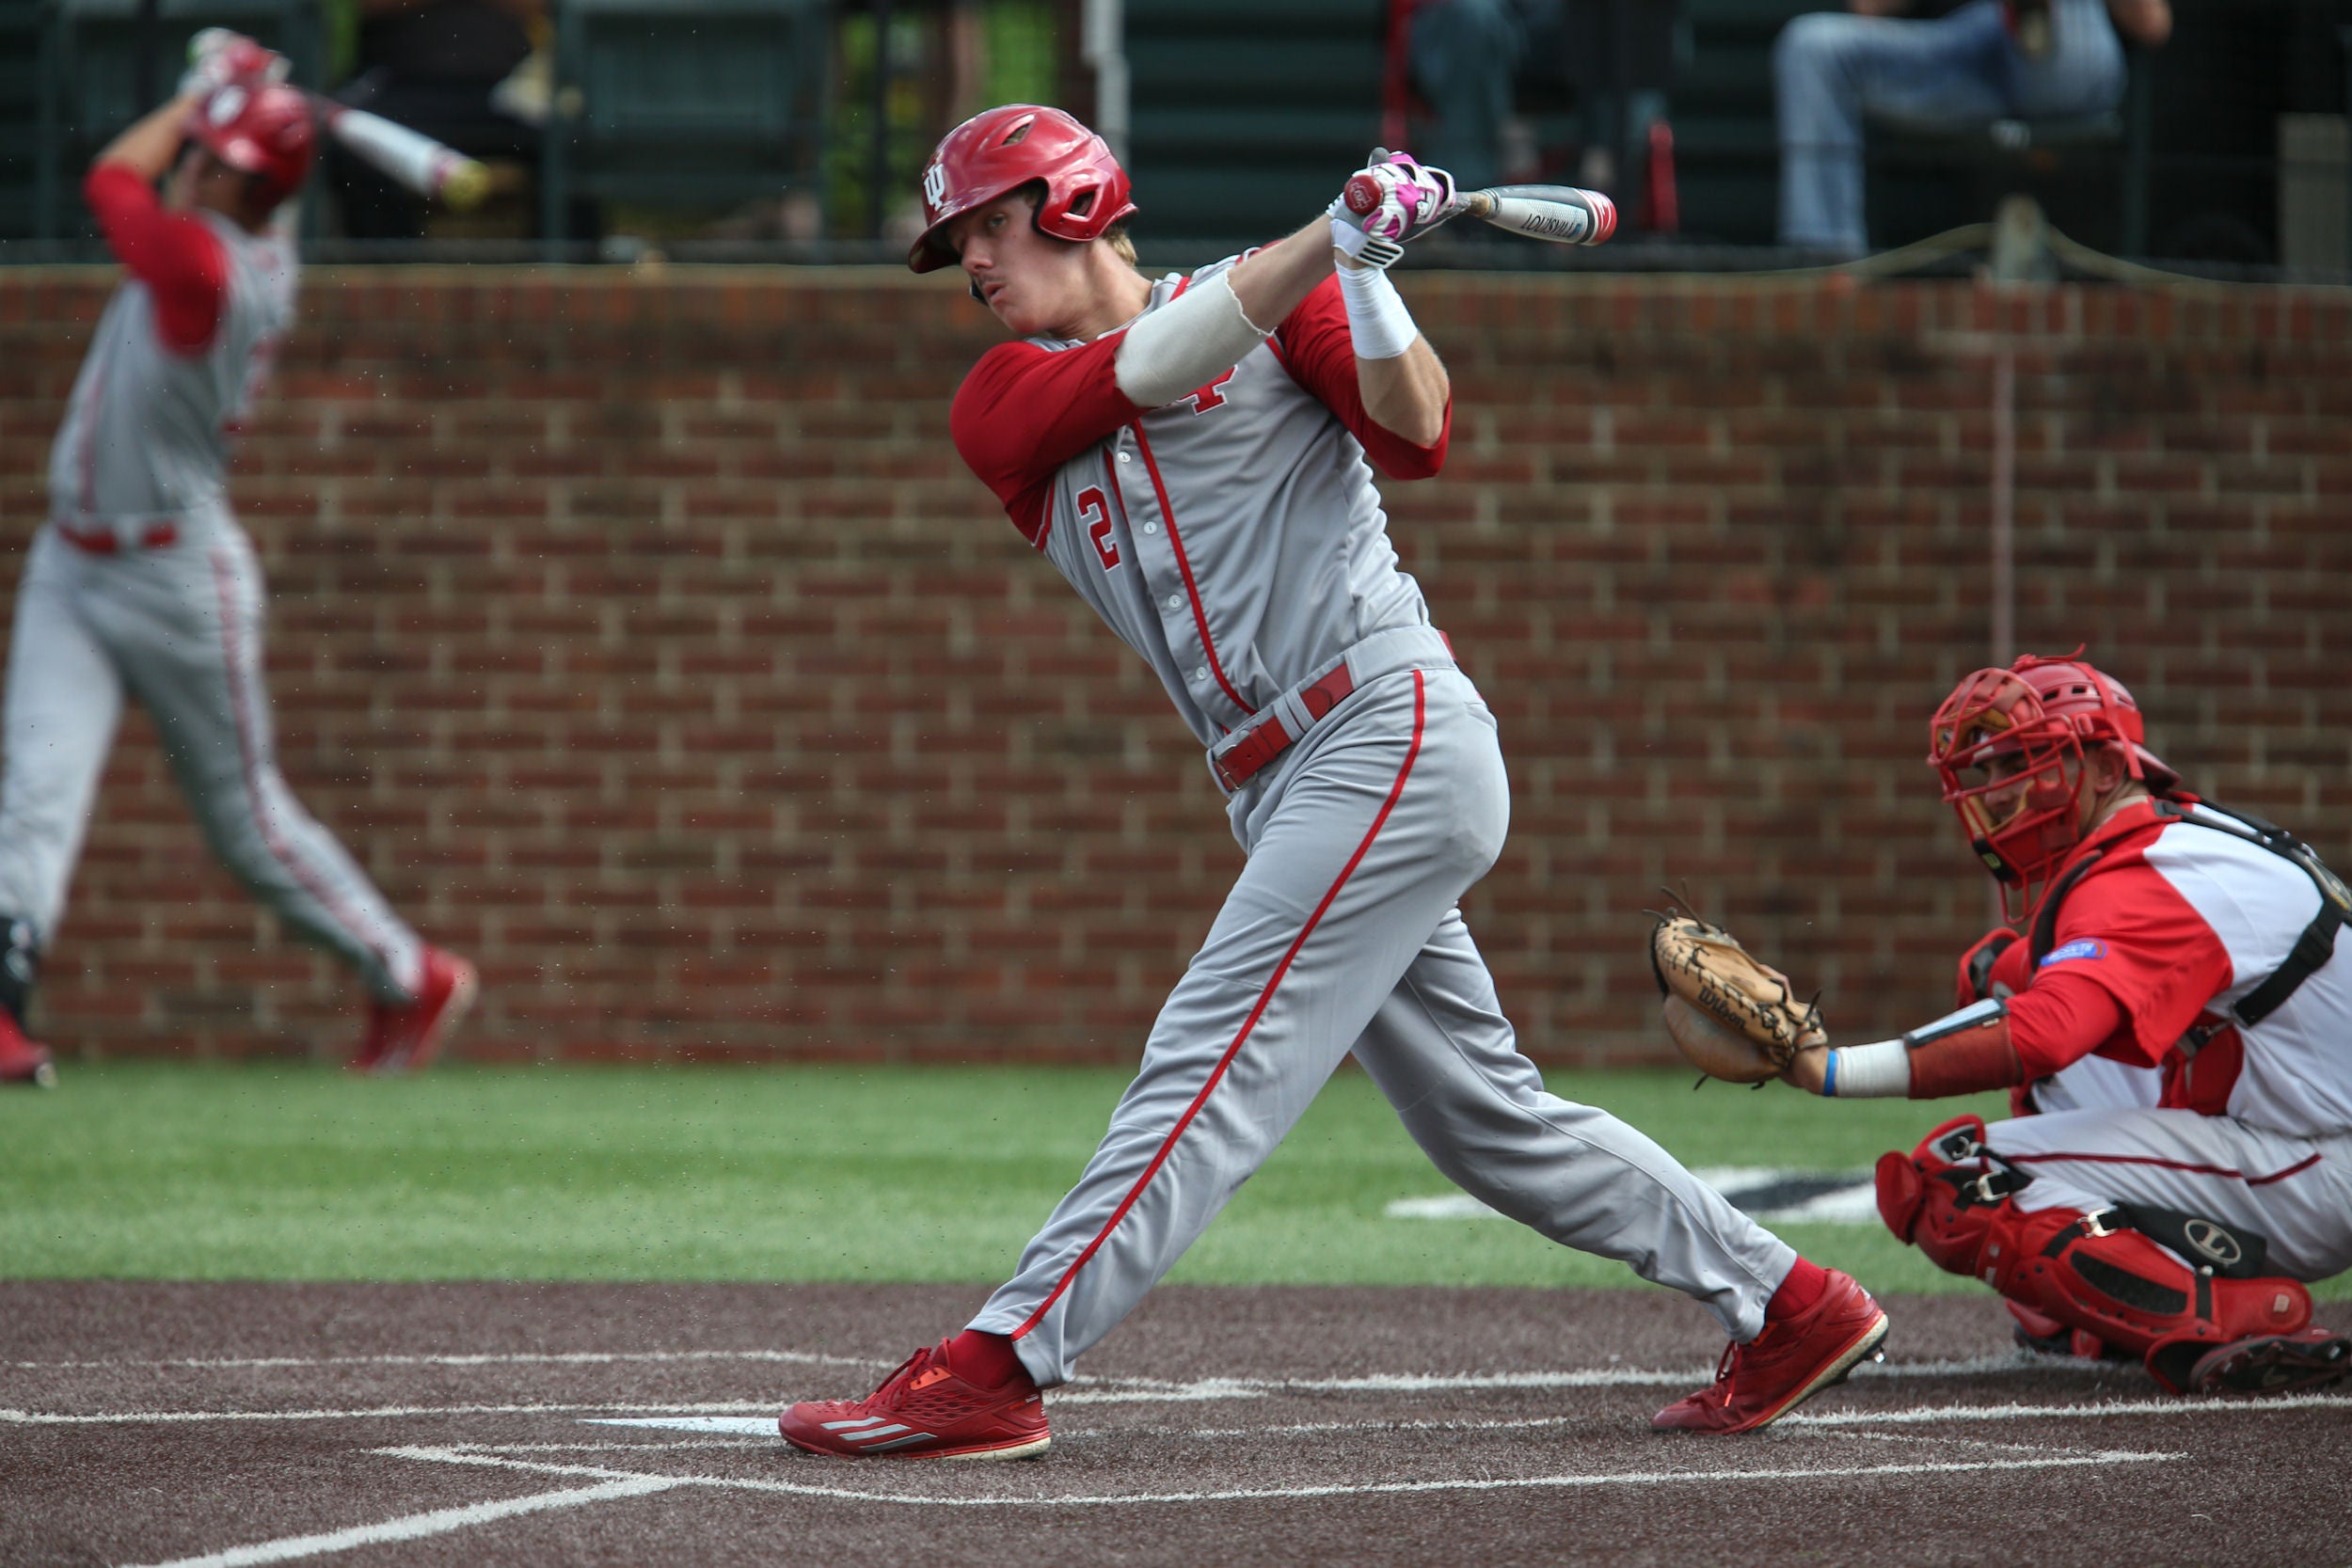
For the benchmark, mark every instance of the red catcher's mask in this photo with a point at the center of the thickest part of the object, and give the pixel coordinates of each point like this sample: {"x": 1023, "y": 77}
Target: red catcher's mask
{"x": 2009, "y": 744}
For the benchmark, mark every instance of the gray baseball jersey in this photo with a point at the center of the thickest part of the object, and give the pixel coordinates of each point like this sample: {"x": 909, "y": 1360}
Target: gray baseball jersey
{"x": 142, "y": 585}
{"x": 1235, "y": 540}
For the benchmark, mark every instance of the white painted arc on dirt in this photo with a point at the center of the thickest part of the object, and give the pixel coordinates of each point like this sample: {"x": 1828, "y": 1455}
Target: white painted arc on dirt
{"x": 1337, "y": 1489}
{"x": 759, "y": 1425}
{"x": 42, "y": 1417}
{"x": 414, "y": 1527}
{"x": 1854, "y": 1203}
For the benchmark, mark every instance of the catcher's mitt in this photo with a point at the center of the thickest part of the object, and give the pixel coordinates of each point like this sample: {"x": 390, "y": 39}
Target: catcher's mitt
{"x": 1734, "y": 1016}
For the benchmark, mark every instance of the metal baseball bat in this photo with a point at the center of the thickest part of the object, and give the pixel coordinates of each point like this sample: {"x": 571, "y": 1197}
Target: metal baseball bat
{"x": 410, "y": 157}
{"x": 1560, "y": 214}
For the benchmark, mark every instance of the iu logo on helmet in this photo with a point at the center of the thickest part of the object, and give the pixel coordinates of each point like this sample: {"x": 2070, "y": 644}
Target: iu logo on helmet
{"x": 935, "y": 185}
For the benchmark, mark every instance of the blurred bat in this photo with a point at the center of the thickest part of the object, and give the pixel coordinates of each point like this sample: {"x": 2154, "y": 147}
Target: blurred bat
{"x": 1560, "y": 214}
{"x": 410, "y": 157}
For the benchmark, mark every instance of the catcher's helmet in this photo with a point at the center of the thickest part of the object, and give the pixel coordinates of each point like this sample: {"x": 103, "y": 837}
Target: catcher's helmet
{"x": 2002, "y": 743}
{"x": 261, "y": 128}
{"x": 1002, "y": 150}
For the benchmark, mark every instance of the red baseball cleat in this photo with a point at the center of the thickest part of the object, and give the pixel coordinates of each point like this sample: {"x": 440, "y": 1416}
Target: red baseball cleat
{"x": 23, "y": 1061}
{"x": 2274, "y": 1364}
{"x": 925, "y": 1411}
{"x": 1785, "y": 1365}
{"x": 407, "y": 1038}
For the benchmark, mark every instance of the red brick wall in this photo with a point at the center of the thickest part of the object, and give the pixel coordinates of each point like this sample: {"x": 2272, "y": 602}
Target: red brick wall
{"x": 647, "y": 642}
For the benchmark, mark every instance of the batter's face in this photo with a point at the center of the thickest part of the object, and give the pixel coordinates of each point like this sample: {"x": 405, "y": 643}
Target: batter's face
{"x": 1037, "y": 285}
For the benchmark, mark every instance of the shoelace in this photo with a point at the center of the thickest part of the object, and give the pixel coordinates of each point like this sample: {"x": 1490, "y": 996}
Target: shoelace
{"x": 903, "y": 1370}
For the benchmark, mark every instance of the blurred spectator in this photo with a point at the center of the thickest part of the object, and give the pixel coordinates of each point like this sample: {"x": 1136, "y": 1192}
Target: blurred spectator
{"x": 1988, "y": 60}
{"x": 1469, "y": 55}
{"x": 432, "y": 65}
{"x": 1463, "y": 56}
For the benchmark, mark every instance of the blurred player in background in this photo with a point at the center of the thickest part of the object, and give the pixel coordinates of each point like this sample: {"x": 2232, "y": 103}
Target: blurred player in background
{"x": 143, "y": 586}
{"x": 2162, "y": 931}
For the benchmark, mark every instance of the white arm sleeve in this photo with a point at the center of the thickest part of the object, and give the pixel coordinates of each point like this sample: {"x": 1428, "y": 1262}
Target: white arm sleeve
{"x": 1184, "y": 344}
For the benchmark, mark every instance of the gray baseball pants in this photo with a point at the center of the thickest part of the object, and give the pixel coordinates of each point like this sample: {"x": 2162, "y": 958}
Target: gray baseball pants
{"x": 178, "y": 629}
{"x": 1343, "y": 935}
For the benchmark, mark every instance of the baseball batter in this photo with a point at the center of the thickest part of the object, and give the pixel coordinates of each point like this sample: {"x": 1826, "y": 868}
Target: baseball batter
{"x": 1196, "y": 455}
{"x": 2164, "y": 936}
{"x": 141, "y": 584}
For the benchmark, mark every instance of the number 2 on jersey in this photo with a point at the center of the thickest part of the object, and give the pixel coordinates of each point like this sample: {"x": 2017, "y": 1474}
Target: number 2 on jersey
{"x": 1095, "y": 511}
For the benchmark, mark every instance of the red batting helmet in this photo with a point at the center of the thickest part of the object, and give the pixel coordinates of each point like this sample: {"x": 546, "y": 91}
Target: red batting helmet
{"x": 1002, "y": 150}
{"x": 2002, "y": 743}
{"x": 258, "y": 127}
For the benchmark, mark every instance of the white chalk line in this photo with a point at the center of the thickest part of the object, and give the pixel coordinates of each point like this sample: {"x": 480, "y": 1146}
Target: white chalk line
{"x": 441, "y": 1521}
{"x": 514, "y": 1358}
{"x": 1335, "y": 1489}
{"x": 43, "y": 1418}
{"x": 1108, "y": 1391}
{"x": 2167, "y": 1407}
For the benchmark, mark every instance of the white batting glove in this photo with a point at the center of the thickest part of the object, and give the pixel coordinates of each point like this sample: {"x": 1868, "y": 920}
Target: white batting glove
{"x": 218, "y": 56}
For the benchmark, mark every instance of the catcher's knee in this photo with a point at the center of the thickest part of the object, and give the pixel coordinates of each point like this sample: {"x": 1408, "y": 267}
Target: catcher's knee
{"x": 1942, "y": 1174}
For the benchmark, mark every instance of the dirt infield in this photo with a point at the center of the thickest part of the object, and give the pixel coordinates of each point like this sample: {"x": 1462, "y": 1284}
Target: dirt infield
{"x": 146, "y": 1423}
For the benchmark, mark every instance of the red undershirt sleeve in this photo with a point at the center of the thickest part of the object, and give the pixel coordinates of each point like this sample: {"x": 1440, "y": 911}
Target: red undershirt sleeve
{"x": 1319, "y": 355}
{"x": 2130, "y": 933}
{"x": 181, "y": 263}
{"x": 1025, "y": 411}
{"x": 2061, "y": 1017}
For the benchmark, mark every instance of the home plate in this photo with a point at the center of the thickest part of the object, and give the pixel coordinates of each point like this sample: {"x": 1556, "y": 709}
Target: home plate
{"x": 763, "y": 1426}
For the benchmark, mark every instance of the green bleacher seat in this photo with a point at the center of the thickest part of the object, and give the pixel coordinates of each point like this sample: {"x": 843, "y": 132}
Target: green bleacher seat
{"x": 683, "y": 103}
{"x": 1247, "y": 113}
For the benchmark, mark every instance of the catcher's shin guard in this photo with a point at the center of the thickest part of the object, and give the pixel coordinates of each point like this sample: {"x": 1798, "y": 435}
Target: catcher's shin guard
{"x": 2093, "y": 1273}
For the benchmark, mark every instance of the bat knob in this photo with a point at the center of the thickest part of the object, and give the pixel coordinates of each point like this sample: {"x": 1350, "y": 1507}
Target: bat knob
{"x": 1363, "y": 193}
{"x": 464, "y": 186}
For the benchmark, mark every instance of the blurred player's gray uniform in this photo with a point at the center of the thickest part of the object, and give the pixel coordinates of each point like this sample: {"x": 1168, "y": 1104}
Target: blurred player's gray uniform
{"x": 143, "y": 585}
{"x": 1235, "y": 540}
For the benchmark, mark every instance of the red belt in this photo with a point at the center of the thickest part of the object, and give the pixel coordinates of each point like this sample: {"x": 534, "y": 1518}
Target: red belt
{"x": 1270, "y": 738}
{"x": 104, "y": 541}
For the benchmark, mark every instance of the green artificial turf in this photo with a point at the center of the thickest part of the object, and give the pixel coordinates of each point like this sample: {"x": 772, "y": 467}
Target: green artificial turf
{"x": 139, "y": 1170}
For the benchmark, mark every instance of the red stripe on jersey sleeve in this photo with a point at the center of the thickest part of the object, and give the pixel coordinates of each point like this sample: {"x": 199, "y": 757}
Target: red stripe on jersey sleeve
{"x": 1319, "y": 355}
{"x": 2129, "y": 931}
{"x": 1025, "y": 411}
{"x": 181, "y": 263}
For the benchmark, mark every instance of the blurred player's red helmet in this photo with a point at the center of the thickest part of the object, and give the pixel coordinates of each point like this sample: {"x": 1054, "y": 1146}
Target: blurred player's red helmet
{"x": 999, "y": 151}
{"x": 2008, "y": 745}
{"x": 258, "y": 127}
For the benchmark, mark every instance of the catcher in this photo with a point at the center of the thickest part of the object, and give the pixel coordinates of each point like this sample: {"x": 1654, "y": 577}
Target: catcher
{"x": 2161, "y": 935}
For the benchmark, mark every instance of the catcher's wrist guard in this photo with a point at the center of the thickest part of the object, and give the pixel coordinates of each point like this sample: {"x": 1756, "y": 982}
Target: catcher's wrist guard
{"x": 1877, "y": 1072}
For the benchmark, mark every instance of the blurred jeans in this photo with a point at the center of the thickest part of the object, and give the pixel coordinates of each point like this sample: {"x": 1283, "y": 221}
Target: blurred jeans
{"x": 1464, "y": 53}
{"x": 1830, "y": 69}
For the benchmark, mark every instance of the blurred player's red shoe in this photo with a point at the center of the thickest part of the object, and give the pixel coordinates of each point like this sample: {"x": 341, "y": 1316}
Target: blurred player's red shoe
{"x": 22, "y": 1061}
{"x": 2274, "y": 1364}
{"x": 407, "y": 1038}
{"x": 925, "y": 1411}
{"x": 1785, "y": 1365}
